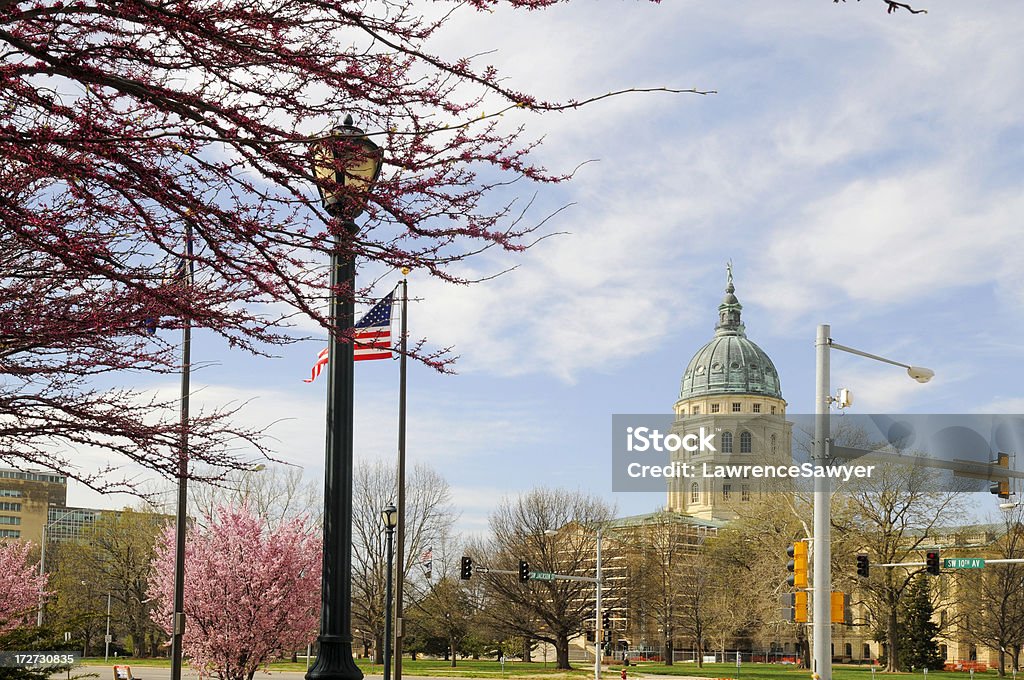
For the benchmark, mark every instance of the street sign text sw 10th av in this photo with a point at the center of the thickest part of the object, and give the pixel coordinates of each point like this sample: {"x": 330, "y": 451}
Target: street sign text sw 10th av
{"x": 963, "y": 563}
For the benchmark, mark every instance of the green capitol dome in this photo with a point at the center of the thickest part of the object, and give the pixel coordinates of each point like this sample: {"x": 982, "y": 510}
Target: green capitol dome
{"x": 730, "y": 363}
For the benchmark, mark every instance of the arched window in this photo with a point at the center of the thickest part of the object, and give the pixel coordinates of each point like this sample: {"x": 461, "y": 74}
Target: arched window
{"x": 849, "y": 650}
{"x": 745, "y": 442}
{"x": 694, "y": 493}
{"x": 866, "y": 651}
{"x": 727, "y": 442}
{"x": 775, "y": 444}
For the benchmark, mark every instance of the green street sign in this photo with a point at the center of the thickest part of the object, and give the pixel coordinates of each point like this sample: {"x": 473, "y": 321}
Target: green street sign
{"x": 963, "y": 563}
{"x": 541, "y": 576}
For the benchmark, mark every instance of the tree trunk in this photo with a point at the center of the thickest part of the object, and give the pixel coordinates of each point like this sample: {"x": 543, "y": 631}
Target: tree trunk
{"x": 699, "y": 641}
{"x": 451, "y": 646}
{"x": 378, "y": 649}
{"x": 668, "y": 650}
{"x": 892, "y": 664}
{"x": 527, "y": 657}
{"x": 1002, "y": 661}
{"x": 562, "y": 652}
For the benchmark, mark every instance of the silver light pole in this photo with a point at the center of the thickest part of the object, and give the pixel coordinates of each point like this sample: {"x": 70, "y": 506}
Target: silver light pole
{"x": 822, "y": 593}
{"x": 106, "y": 639}
{"x": 42, "y": 562}
{"x": 821, "y": 626}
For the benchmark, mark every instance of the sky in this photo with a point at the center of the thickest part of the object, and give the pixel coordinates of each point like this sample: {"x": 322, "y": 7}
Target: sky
{"x": 859, "y": 168}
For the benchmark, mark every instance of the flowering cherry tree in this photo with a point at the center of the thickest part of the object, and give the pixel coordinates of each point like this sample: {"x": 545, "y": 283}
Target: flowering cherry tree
{"x": 250, "y": 592}
{"x": 21, "y": 584}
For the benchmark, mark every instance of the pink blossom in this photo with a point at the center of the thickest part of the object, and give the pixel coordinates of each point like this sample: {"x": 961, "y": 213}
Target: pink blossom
{"x": 20, "y": 584}
{"x": 250, "y": 592}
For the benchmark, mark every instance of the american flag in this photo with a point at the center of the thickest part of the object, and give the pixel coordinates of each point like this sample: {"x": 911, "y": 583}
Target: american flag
{"x": 371, "y": 339}
{"x": 427, "y": 561}
{"x": 372, "y": 335}
{"x": 321, "y": 361}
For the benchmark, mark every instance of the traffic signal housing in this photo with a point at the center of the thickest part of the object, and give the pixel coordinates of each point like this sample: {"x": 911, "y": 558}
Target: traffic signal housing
{"x": 1001, "y": 485}
{"x": 931, "y": 560}
{"x": 606, "y": 620}
{"x": 797, "y": 564}
{"x": 794, "y": 606}
{"x": 524, "y": 571}
{"x": 467, "y": 568}
{"x": 840, "y": 608}
{"x": 863, "y": 565}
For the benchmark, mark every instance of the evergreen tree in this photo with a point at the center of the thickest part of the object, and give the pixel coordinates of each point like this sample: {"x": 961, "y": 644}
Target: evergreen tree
{"x": 917, "y": 630}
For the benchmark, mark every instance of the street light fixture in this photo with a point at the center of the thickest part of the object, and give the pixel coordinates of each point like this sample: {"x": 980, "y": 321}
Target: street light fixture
{"x": 598, "y": 588}
{"x": 822, "y": 575}
{"x": 389, "y": 516}
{"x": 345, "y": 164}
{"x": 42, "y": 561}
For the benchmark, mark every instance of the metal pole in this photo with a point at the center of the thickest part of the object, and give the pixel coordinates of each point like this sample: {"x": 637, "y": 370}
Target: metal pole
{"x": 387, "y": 605}
{"x": 822, "y": 583}
{"x": 42, "y": 572}
{"x": 400, "y": 550}
{"x": 181, "y": 524}
{"x": 598, "y": 632}
{"x": 334, "y": 660}
{"x": 106, "y": 638}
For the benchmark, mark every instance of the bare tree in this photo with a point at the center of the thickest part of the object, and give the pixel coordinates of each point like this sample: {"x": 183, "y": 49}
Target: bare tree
{"x": 521, "y": 528}
{"x": 995, "y": 595}
{"x": 275, "y": 493}
{"x": 669, "y": 571}
{"x": 893, "y": 516}
{"x": 428, "y": 519}
{"x": 752, "y": 551}
{"x": 116, "y": 556}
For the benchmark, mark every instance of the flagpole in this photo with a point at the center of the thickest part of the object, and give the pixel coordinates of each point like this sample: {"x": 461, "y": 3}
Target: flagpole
{"x": 400, "y": 557}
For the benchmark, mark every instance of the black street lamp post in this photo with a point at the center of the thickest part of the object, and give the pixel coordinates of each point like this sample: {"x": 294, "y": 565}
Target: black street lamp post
{"x": 346, "y": 165}
{"x": 389, "y": 516}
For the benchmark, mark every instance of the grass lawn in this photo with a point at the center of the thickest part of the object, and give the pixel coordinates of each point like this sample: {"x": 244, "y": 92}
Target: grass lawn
{"x": 516, "y": 669}
{"x": 763, "y": 671}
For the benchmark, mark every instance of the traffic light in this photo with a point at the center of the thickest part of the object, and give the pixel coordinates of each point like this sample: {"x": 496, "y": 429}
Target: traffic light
{"x": 931, "y": 560}
{"x": 467, "y": 568}
{"x": 798, "y": 564}
{"x": 1001, "y": 486}
{"x": 606, "y": 620}
{"x": 794, "y": 606}
{"x": 840, "y": 608}
{"x": 863, "y": 565}
{"x": 524, "y": 571}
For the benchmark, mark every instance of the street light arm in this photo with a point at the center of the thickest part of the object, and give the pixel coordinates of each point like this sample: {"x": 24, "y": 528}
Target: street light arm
{"x": 844, "y": 348}
{"x": 918, "y": 373}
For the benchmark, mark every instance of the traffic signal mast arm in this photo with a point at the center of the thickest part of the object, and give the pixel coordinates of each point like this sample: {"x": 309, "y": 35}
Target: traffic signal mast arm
{"x": 996, "y": 469}
{"x": 489, "y": 570}
{"x": 478, "y": 569}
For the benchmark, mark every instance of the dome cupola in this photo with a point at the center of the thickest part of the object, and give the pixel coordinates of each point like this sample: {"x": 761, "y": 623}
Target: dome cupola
{"x": 730, "y": 363}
